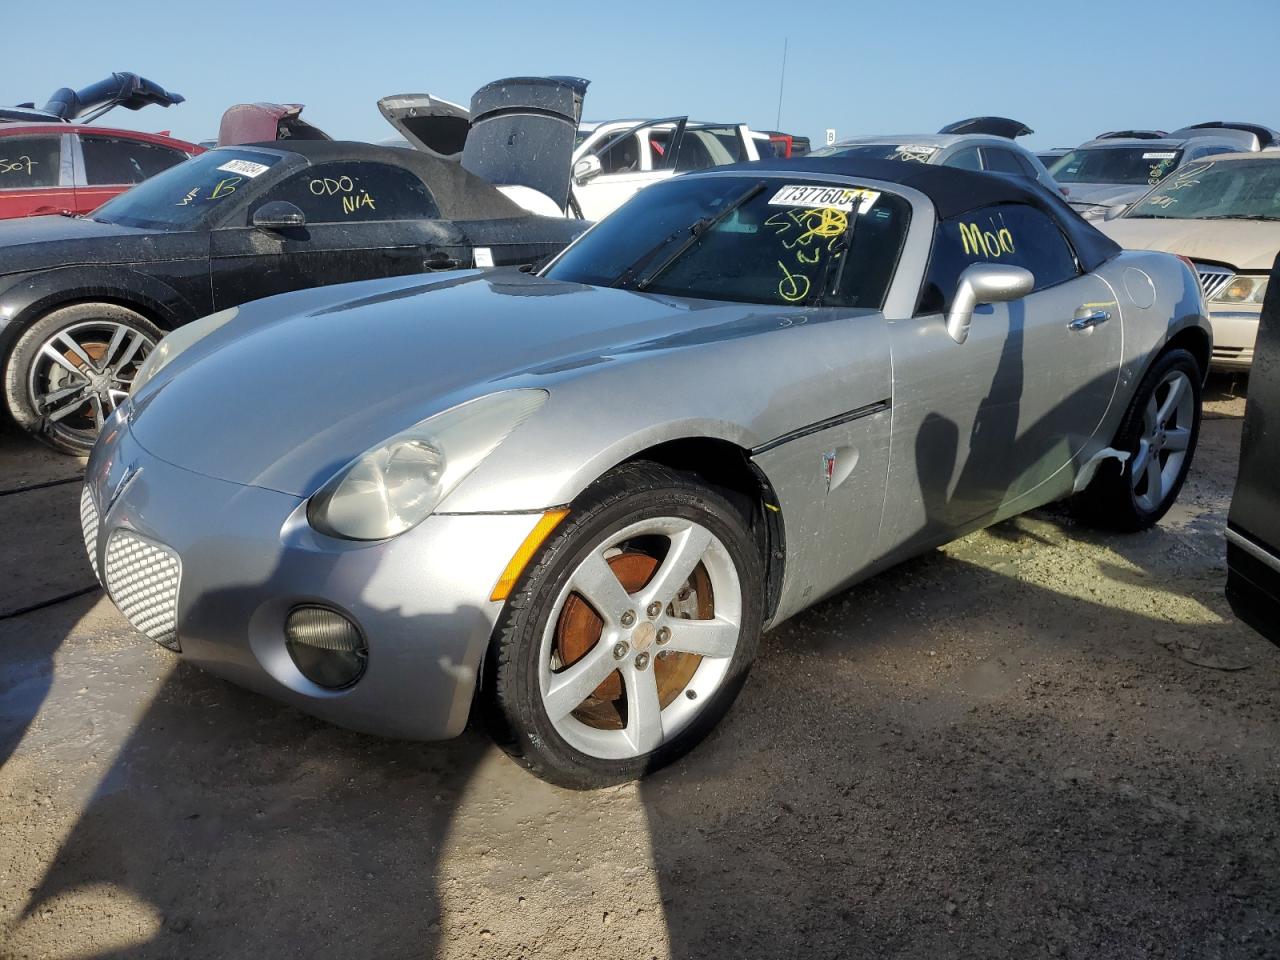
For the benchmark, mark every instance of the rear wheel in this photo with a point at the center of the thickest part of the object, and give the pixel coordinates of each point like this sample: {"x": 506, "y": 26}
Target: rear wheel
{"x": 631, "y": 634}
{"x": 1159, "y": 431}
{"x": 72, "y": 368}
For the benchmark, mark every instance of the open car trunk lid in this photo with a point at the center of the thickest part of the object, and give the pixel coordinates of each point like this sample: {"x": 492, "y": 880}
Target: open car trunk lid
{"x": 438, "y": 127}
{"x": 262, "y": 122}
{"x": 523, "y": 131}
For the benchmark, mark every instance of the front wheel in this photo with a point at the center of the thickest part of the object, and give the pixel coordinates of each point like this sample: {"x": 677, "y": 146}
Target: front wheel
{"x": 1159, "y": 431}
{"x": 630, "y": 634}
{"x": 71, "y": 368}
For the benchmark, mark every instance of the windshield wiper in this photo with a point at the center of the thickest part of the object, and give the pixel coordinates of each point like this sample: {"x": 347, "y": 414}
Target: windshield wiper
{"x": 695, "y": 230}
{"x": 1239, "y": 216}
{"x": 839, "y": 250}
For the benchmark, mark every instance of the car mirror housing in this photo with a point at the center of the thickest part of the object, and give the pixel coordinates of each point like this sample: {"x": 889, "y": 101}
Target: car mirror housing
{"x": 587, "y": 169}
{"x": 279, "y": 215}
{"x": 985, "y": 283}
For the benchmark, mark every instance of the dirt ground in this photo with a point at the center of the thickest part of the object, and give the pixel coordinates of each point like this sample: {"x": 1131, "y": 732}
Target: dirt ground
{"x": 1038, "y": 741}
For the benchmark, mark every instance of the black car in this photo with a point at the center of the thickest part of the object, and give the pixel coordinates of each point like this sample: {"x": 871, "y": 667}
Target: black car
{"x": 82, "y": 300}
{"x": 1253, "y": 527}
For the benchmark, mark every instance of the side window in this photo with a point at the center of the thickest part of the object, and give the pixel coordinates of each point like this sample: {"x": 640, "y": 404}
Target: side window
{"x": 708, "y": 147}
{"x": 966, "y": 159}
{"x": 110, "y": 160}
{"x": 1011, "y": 233}
{"x": 355, "y": 192}
{"x": 623, "y": 156}
{"x": 1002, "y": 161}
{"x": 27, "y": 162}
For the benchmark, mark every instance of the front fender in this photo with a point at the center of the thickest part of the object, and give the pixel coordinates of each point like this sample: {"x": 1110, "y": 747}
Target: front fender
{"x": 26, "y": 297}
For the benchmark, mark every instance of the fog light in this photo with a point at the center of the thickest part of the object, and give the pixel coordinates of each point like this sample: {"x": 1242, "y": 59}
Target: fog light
{"x": 325, "y": 646}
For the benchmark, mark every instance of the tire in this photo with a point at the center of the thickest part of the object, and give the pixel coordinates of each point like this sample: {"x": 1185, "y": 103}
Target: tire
{"x": 1128, "y": 498}
{"x": 552, "y": 644}
{"x": 40, "y": 392}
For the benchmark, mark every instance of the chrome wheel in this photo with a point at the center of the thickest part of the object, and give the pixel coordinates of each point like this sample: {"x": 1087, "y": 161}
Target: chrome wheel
{"x": 640, "y": 638}
{"x": 83, "y": 372}
{"x": 1167, "y": 423}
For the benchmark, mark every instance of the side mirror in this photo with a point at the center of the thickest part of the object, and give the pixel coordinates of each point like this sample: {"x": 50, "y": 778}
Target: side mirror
{"x": 985, "y": 283}
{"x": 278, "y": 215}
{"x": 1115, "y": 210}
{"x": 587, "y": 169}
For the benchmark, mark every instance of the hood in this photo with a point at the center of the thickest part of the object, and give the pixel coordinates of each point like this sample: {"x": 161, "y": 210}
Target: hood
{"x": 1104, "y": 194}
{"x": 435, "y": 126}
{"x": 523, "y": 132}
{"x": 265, "y": 122}
{"x": 297, "y": 386}
{"x": 1242, "y": 244}
{"x": 38, "y": 243}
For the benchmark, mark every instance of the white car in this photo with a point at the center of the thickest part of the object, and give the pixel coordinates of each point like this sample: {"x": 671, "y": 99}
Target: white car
{"x": 616, "y": 159}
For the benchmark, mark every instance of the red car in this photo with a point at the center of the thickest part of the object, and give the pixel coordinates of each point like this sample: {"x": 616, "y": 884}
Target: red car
{"x": 51, "y": 165}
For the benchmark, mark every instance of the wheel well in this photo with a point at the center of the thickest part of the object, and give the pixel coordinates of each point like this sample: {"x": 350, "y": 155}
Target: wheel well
{"x": 728, "y": 467}
{"x": 1196, "y": 342}
{"x": 141, "y": 309}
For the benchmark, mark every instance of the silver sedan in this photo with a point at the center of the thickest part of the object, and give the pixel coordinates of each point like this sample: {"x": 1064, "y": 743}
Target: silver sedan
{"x": 577, "y": 496}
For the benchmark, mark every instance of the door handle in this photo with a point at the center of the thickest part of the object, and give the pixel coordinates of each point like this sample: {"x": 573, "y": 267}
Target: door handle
{"x": 1086, "y": 318}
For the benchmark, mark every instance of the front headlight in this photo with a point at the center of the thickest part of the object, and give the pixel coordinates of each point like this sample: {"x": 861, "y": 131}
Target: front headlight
{"x": 397, "y": 484}
{"x": 167, "y": 350}
{"x": 1241, "y": 290}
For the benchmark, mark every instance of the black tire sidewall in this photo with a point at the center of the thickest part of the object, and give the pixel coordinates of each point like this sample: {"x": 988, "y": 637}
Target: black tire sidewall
{"x": 1110, "y": 500}
{"x": 26, "y": 349}
{"x": 524, "y": 728}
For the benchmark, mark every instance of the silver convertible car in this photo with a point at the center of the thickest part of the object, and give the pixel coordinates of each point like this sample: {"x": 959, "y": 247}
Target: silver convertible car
{"x": 575, "y": 498}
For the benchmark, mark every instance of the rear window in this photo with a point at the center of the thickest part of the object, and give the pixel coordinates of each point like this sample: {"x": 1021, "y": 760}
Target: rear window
{"x": 1133, "y": 166}
{"x": 27, "y": 162}
{"x": 115, "y": 160}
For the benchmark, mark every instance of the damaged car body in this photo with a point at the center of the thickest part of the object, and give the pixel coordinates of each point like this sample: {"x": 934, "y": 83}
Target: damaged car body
{"x": 84, "y": 300}
{"x": 576, "y": 497}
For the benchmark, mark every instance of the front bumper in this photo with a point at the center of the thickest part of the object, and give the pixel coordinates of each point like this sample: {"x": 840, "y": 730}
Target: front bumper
{"x": 243, "y": 557}
{"x": 1234, "y": 335}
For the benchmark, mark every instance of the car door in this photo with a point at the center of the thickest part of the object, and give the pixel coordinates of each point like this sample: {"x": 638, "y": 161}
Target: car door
{"x": 990, "y": 427}
{"x": 33, "y": 178}
{"x": 108, "y": 164}
{"x": 631, "y": 158}
{"x": 1253, "y": 525}
{"x": 364, "y": 220}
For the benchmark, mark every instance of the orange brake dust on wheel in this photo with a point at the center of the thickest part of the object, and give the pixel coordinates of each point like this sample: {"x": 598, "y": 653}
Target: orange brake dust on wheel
{"x": 579, "y": 629}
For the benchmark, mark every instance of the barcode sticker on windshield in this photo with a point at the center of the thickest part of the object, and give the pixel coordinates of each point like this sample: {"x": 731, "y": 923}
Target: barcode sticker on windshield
{"x": 1160, "y": 155}
{"x": 833, "y": 198}
{"x": 246, "y": 167}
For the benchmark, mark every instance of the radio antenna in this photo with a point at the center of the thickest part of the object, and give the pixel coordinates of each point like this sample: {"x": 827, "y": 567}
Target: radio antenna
{"x": 777, "y": 125}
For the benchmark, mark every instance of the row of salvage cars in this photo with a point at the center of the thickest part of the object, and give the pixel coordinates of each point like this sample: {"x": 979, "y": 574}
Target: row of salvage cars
{"x": 569, "y": 499}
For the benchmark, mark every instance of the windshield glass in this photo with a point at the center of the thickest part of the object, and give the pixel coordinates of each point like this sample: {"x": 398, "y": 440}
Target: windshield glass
{"x": 181, "y": 197}
{"x": 779, "y": 246}
{"x": 1228, "y": 190}
{"x": 911, "y": 152}
{"x": 1133, "y": 166}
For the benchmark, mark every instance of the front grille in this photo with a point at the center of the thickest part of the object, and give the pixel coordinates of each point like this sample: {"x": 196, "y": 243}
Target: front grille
{"x": 142, "y": 578}
{"x": 1212, "y": 279}
{"x": 89, "y": 525}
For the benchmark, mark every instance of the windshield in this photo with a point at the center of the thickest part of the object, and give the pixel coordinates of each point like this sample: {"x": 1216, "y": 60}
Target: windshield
{"x": 183, "y": 196}
{"x": 1225, "y": 190}
{"x": 911, "y": 152}
{"x": 1133, "y": 166}
{"x": 779, "y": 246}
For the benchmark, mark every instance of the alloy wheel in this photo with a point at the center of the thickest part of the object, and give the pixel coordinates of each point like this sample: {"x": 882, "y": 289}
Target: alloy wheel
{"x": 640, "y": 637}
{"x": 83, "y": 372}
{"x": 1167, "y": 423}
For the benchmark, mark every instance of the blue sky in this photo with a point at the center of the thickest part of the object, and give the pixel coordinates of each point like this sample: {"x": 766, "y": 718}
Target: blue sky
{"x": 1068, "y": 69}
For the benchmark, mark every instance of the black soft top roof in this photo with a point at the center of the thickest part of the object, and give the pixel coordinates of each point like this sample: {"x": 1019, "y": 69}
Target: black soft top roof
{"x": 954, "y": 192}
{"x": 459, "y": 194}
